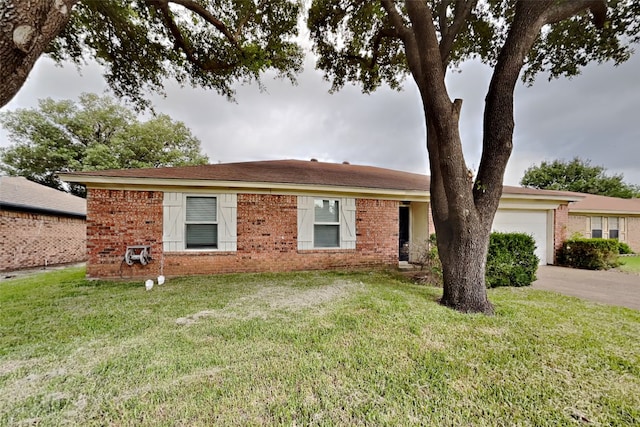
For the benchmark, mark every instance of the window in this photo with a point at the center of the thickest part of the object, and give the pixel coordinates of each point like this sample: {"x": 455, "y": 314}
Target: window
{"x": 326, "y": 226}
{"x": 614, "y": 227}
{"x": 596, "y": 227}
{"x": 201, "y": 223}
{"x": 326, "y": 223}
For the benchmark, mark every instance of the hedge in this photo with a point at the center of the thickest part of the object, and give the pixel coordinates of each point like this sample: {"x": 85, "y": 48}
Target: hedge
{"x": 511, "y": 260}
{"x": 590, "y": 254}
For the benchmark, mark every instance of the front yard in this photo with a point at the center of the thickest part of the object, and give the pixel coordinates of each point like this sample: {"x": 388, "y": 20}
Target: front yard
{"x": 308, "y": 349}
{"x": 630, "y": 264}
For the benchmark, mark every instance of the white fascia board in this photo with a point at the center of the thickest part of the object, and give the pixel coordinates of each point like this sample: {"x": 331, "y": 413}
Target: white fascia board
{"x": 601, "y": 212}
{"x": 550, "y": 197}
{"x": 196, "y": 185}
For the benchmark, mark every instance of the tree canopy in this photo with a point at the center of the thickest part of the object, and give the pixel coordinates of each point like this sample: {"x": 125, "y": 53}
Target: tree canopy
{"x": 580, "y": 176}
{"x": 92, "y": 134}
{"x": 141, "y": 43}
{"x": 374, "y": 43}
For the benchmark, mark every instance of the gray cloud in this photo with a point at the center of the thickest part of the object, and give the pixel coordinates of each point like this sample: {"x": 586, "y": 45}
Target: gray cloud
{"x": 594, "y": 116}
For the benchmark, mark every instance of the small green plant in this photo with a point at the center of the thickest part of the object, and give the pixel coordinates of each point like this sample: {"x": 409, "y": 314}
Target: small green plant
{"x": 624, "y": 249}
{"x": 590, "y": 254}
{"x": 426, "y": 256}
{"x": 511, "y": 260}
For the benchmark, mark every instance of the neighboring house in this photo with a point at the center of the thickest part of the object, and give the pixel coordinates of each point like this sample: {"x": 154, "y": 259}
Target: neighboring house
{"x": 606, "y": 217}
{"x": 39, "y": 226}
{"x": 279, "y": 216}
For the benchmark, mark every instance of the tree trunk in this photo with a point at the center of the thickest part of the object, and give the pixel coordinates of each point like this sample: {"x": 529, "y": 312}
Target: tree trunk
{"x": 26, "y": 29}
{"x": 464, "y": 260}
{"x": 462, "y": 232}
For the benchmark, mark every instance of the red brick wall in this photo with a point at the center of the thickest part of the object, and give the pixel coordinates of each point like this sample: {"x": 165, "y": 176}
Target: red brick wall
{"x": 116, "y": 219}
{"x": 37, "y": 240}
{"x": 560, "y": 228}
{"x": 267, "y": 238}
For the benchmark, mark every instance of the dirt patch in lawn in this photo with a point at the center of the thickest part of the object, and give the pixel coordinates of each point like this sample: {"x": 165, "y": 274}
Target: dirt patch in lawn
{"x": 271, "y": 300}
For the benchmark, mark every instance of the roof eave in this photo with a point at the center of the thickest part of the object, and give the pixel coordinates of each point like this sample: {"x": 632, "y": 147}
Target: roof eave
{"x": 604, "y": 211}
{"x": 40, "y": 210}
{"x": 163, "y": 183}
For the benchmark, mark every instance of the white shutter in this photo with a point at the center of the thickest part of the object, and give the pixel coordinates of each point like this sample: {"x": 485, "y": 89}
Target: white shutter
{"x": 228, "y": 222}
{"x": 348, "y": 224}
{"x": 172, "y": 222}
{"x": 622, "y": 226}
{"x": 305, "y": 222}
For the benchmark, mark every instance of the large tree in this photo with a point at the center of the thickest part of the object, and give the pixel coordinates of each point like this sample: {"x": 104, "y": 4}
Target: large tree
{"x": 371, "y": 43}
{"x": 578, "y": 175}
{"x": 140, "y": 43}
{"x": 94, "y": 133}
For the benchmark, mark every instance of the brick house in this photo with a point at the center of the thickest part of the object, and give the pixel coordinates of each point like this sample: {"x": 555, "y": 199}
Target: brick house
{"x": 278, "y": 216}
{"x": 39, "y": 226}
{"x": 607, "y": 217}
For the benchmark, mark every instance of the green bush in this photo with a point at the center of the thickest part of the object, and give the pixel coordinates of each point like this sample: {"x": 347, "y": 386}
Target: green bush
{"x": 624, "y": 249}
{"x": 590, "y": 254}
{"x": 511, "y": 260}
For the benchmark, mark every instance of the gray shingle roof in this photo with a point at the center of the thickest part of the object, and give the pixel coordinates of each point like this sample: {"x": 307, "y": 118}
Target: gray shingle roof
{"x": 20, "y": 193}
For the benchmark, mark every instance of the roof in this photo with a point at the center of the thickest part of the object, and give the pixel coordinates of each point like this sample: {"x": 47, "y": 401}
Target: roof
{"x": 592, "y": 203}
{"x": 19, "y": 193}
{"x": 287, "y": 172}
{"x": 277, "y": 171}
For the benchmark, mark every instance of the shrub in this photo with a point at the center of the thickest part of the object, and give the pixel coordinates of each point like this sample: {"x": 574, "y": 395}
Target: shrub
{"x": 511, "y": 260}
{"x": 426, "y": 255}
{"x": 590, "y": 254}
{"x": 624, "y": 249}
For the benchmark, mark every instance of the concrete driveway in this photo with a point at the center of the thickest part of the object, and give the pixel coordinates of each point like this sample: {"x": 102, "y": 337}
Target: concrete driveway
{"x": 608, "y": 287}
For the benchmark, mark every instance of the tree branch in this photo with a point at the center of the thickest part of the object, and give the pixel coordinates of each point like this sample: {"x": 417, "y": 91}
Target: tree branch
{"x": 201, "y": 11}
{"x": 442, "y": 17}
{"x": 567, "y": 9}
{"x": 498, "y": 115}
{"x": 396, "y": 20}
{"x": 183, "y": 44}
{"x": 461, "y": 14}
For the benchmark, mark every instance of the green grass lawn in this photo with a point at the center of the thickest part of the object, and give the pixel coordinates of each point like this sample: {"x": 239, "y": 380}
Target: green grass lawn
{"x": 631, "y": 264}
{"x": 308, "y": 349}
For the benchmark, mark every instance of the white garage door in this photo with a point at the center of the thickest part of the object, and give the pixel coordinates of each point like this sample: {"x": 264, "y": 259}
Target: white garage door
{"x": 522, "y": 221}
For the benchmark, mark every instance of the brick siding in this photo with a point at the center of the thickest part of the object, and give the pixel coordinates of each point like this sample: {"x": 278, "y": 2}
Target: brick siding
{"x": 37, "y": 240}
{"x": 117, "y": 219}
{"x": 560, "y": 228}
{"x": 633, "y": 233}
{"x": 267, "y": 227}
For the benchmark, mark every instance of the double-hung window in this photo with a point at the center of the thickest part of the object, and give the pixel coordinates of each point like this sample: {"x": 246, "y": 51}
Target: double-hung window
{"x": 596, "y": 227}
{"x": 614, "y": 227}
{"x": 326, "y": 225}
{"x": 201, "y": 223}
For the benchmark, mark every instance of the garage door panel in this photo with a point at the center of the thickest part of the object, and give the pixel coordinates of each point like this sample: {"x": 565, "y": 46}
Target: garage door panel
{"x": 533, "y": 223}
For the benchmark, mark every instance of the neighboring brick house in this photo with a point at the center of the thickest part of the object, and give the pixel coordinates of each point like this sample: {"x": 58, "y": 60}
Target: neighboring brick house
{"x": 275, "y": 216}
{"x": 39, "y": 226}
{"x": 607, "y": 217}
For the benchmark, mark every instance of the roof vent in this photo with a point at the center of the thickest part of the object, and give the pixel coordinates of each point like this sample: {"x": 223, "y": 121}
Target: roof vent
{"x": 314, "y": 160}
{"x": 346, "y": 163}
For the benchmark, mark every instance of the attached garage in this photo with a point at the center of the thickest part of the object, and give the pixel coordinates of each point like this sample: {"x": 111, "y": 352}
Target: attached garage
{"x": 536, "y": 223}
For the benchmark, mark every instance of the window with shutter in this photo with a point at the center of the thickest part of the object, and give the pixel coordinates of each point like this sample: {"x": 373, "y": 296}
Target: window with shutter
{"x": 201, "y": 223}
{"x": 326, "y": 226}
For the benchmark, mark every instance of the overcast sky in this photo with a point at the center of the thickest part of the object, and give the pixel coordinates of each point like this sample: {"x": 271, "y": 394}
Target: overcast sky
{"x": 595, "y": 116}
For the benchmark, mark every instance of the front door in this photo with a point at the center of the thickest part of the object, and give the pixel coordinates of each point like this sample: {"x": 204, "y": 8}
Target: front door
{"x": 403, "y": 234}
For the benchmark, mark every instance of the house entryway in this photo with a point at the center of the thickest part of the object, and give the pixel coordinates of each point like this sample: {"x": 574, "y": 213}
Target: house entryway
{"x": 403, "y": 233}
